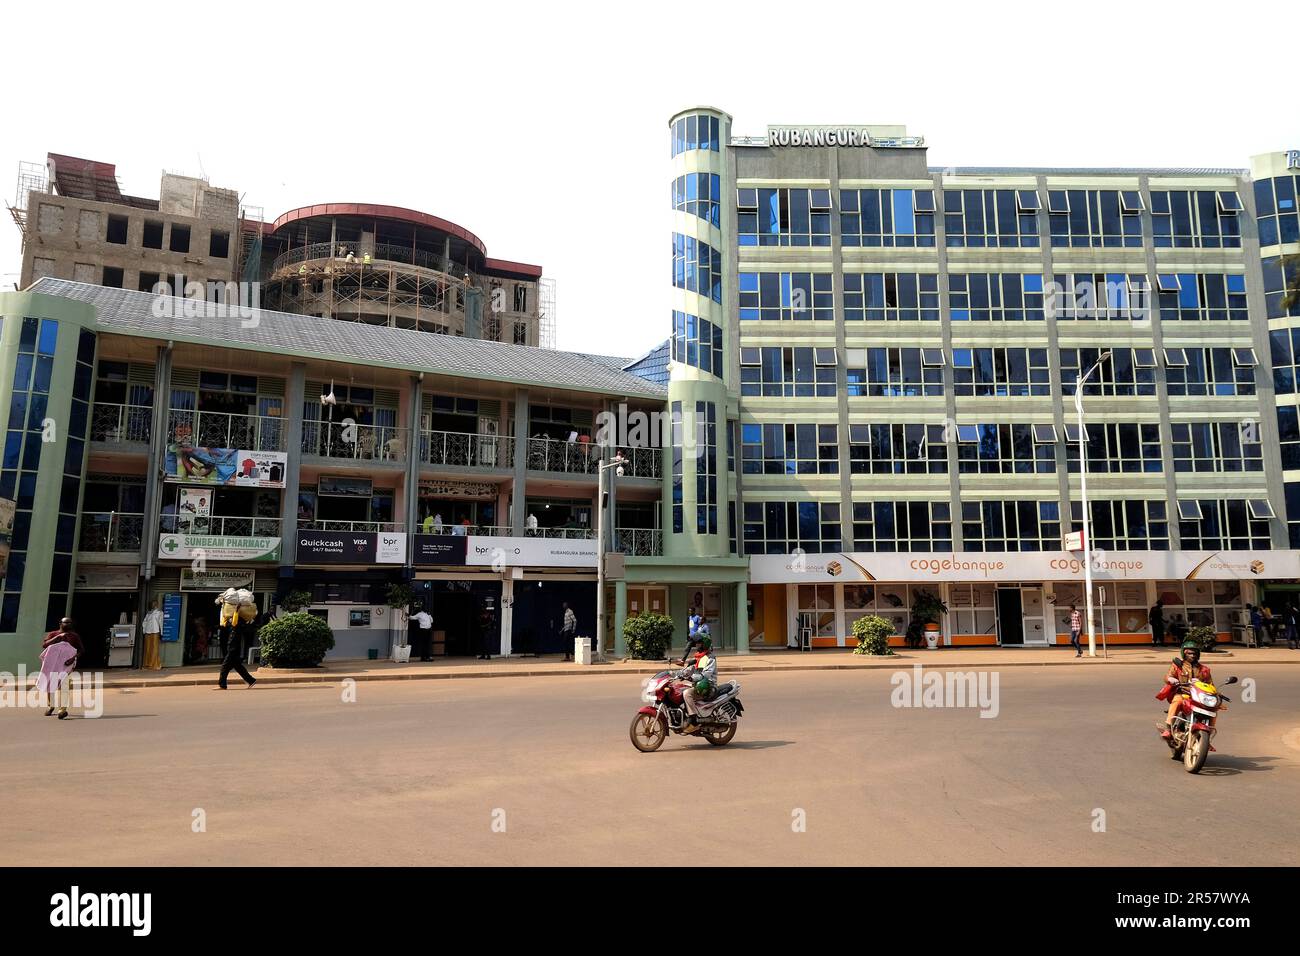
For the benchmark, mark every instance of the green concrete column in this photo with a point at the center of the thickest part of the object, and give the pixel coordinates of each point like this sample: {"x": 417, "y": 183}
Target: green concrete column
{"x": 620, "y": 618}
{"x": 742, "y": 617}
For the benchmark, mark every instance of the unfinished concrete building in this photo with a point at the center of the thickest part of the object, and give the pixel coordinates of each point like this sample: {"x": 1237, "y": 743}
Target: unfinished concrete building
{"x": 77, "y": 224}
{"x": 382, "y": 265}
{"x": 385, "y": 265}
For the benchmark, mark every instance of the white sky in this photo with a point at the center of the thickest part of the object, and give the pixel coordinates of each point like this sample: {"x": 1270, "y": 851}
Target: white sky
{"x": 543, "y": 128}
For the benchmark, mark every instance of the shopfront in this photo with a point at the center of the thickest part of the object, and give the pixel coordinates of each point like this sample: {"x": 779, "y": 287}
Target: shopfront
{"x": 1009, "y": 599}
{"x": 188, "y": 599}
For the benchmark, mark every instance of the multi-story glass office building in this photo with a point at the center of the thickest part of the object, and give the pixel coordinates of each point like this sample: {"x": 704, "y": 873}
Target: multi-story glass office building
{"x": 867, "y": 396}
{"x": 897, "y": 348}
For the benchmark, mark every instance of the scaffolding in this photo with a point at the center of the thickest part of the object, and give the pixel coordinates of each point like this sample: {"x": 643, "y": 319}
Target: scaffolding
{"x": 546, "y": 313}
{"x": 32, "y": 177}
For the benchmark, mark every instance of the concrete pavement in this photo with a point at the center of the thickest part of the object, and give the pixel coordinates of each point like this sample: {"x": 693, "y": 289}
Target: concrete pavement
{"x": 542, "y": 772}
{"x": 767, "y": 661}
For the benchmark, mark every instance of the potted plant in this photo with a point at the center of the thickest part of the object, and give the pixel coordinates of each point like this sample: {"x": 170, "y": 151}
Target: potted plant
{"x": 927, "y": 612}
{"x": 873, "y": 633}
{"x": 400, "y": 598}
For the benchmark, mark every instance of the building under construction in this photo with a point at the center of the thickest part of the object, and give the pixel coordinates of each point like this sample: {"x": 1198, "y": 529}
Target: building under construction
{"x": 382, "y": 265}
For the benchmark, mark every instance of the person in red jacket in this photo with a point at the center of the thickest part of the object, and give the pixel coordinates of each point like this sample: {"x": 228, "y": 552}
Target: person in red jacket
{"x": 1185, "y": 671}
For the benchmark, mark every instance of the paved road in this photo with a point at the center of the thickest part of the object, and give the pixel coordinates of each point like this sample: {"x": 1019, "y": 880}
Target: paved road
{"x": 412, "y": 773}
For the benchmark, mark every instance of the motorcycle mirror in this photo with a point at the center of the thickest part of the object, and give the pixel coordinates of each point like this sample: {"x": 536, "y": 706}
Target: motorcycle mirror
{"x": 1231, "y": 680}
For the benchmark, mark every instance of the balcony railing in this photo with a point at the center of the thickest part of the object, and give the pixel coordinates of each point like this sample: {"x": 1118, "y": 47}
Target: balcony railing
{"x": 643, "y": 462}
{"x": 576, "y": 533}
{"x": 226, "y": 430}
{"x": 111, "y": 531}
{"x": 344, "y": 440}
{"x": 640, "y": 542}
{"x": 121, "y": 423}
{"x": 463, "y": 529}
{"x": 466, "y": 450}
{"x": 571, "y": 457}
{"x": 385, "y": 252}
{"x": 350, "y": 527}
{"x": 232, "y": 526}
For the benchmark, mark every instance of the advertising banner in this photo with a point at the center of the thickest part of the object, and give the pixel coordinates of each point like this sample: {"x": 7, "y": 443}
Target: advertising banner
{"x": 94, "y": 577}
{"x": 351, "y": 547}
{"x": 225, "y": 466}
{"x": 217, "y": 579}
{"x": 217, "y": 547}
{"x": 531, "y": 552}
{"x": 1013, "y": 566}
{"x": 439, "y": 549}
{"x": 171, "y": 608}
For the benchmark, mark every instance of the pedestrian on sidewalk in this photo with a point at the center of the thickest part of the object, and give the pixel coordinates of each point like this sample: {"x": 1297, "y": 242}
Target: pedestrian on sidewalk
{"x": 237, "y": 629}
{"x": 1076, "y": 628}
{"x": 568, "y": 630}
{"x": 421, "y": 622}
{"x": 1156, "y": 618}
{"x": 152, "y": 627}
{"x": 60, "y": 650}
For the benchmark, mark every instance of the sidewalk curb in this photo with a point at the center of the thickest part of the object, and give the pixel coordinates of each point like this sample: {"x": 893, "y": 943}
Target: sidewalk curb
{"x": 889, "y": 663}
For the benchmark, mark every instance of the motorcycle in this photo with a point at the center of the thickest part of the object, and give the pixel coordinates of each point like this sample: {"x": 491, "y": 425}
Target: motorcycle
{"x": 665, "y": 712}
{"x": 1194, "y": 722}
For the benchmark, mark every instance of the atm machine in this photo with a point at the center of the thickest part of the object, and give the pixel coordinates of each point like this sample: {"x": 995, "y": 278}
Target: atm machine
{"x": 121, "y": 645}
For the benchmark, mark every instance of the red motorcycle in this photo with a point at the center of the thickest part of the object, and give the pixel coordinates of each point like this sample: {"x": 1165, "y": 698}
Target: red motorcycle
{"x": 665, "y": 711}
{"x": 1194, "y": 721}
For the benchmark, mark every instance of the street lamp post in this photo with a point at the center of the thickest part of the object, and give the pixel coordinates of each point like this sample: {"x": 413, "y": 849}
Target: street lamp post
{"x": 1083, "y": 493}
{"x": 616, "y": 463}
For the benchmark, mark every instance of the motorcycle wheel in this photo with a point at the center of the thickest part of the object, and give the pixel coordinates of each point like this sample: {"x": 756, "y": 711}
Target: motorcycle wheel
{"x": 648, "y": 733}
{"x": 1198, "y": 748}
{"x": 719, "y": 738}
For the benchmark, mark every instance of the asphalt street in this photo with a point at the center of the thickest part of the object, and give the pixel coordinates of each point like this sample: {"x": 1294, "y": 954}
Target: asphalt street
{"x": 824, "y": 770}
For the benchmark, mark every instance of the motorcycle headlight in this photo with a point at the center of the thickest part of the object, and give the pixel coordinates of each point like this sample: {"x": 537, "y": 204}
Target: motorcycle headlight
{"x": 648, "y": 690}
{"x": 1206, "y": 700}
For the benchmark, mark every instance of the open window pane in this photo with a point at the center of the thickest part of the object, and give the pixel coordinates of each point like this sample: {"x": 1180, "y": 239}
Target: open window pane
{"x": 1189, "y": 510}
{"x": 1260, "y": 508}
{"x": 1244, "y": 357}
{"x": 1176, "y": 357}
{"x": 1045, "y": 434}
{"x": 1168, "y": 283}
{"x": 932, "y": 357}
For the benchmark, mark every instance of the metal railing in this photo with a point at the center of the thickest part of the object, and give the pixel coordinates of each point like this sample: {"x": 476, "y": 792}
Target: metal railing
{"x": 463, "y": 529}
{"x": 227, "y": 430}
{"x": 576, "y": 533}
{"x": 229, "y": 525}
{"x": 570, "y": 457}
{"x": 346, "y": 440}
{"x": 466, "y": 450}
{"x": 383, "y": 252}
{"x": 111, "y": 531}
{"x": 350, "y": 527}
{"x": 643, "y": 462}
{"x": 640, "y": 542}
{"x": 121, "y": 423}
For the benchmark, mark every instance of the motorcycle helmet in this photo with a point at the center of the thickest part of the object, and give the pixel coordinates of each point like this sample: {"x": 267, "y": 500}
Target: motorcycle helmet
{"x": 701, "y": 686}
{"x": 1195, "y": 648}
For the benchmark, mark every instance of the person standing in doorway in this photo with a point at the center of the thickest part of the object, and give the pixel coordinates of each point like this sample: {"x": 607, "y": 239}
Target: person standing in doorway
{"x": 568, "y": 630}
{"x": 422, "y": 622}
{"x": 1076, "y": 629}
{"x": 152, "y": 627}
{"x": 1156, "y": 618}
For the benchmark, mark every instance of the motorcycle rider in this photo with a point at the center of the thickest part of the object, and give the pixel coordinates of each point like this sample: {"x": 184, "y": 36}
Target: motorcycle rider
{"x": 1183, "y": 672}
{"x": 703, "y": 677}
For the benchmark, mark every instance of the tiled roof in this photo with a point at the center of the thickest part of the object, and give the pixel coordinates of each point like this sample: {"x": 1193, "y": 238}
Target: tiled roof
{"x": 139, "y": 313}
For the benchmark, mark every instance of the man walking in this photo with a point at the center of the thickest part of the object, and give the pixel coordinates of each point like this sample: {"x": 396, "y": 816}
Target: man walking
{"x": 234, "y": 636}
{"x": 568, "y": 630}
{"x": 1076, "y": 628}
{"x": 56, "y": 664}
{"x": 1156, "y": 618}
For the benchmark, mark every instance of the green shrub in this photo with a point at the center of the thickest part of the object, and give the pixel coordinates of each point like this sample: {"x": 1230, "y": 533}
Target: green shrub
{"x": 295, "y": 640}
{"x": 873, "y": 633}
{"x": 648, "y": 636}
{"x": 1203, "y": 636}
{"x": 295, "y": 601}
